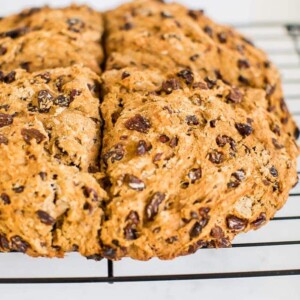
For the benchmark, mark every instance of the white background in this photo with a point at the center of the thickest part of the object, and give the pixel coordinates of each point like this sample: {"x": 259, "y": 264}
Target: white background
{"x": 232, "y": 11}
{"x": 221, "y": 10}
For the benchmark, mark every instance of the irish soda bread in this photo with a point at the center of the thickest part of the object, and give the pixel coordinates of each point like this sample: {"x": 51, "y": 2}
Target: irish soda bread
{"x": 181, "y": 141}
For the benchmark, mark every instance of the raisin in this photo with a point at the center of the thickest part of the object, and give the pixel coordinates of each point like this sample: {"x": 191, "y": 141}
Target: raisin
{"x": 59, "y": 82}
{"x": 216, "y": 157}
{"x": 143, "y": 147}
{"x": 212, "y": 123}
{"x": 5, "y": 198}
{"x": 153, "y": 205}
{"x": 127, "y": 26}
{"x": 3, "y": 140}
{"x": 157, "y": 157}
{"x": 243, "y": 80}
{"x": 10, "y": 77}
{"x": 96, "y": 257}
{"x": 243, "y": 64}
{"x": 195, "y": 230}
{"x": 276, "y": 144}
{"x": 116, "y": 153}
{"x": 45, "y": 100}
{"x": 195, "y": 174}
{"x": 4, "y": 243}
{"x": 62, "y": 101}
{"x": 5, "y": 106}
{"x": 208, "y": 30}
{"x": 130, "y": 232}
{"x": 75, "y": 24}
{"x": 276, "y": 130}
{"x": 171, "y": 240}
{"x": 164, "y": 138}
{"x": 3, "y": 50}
{"x": 105, "y": 183}
{"x": 138, "y": 123}
{"x": 192, "y": 120}
{"x": 29, "y": 134}
{"x": 15, "y": 33}
{"x": 270, "y": 89}
{"x": 244, "y": 129}
{"x": 222, "y": 140}
{"x": 198, "y": 244}
{"x": 133, "y": 217}
{"x": 233, "y": 184}
{"x": 87, "y": 206}
{"x": 236, "y": 223}
{"x": 194, "y": 57}
{"x": 170, "y": 85}
{"x": 174, "y": 142}
{"x": 217, "y": 232}
{"x": 222, "y": 37}
{"x": 187, "y": 75}
{"x": 45, "y": 76}
{"x": 45, "y": 218}
{"x": 235, "y": 96}
{"x": 297, "y": 133}
{"x": 25, "y": 65}
{"x": 210, "y": 82}
{"x": 19, "y": 244}
{"x": 74, "y": 93}
{"x": 134, "y": 182}
{"x": 194, "y": 14}
{"x": 238, "y": 177}
{"x": 273, "y": 171}
{"x": 43, "y": 175}
{"x": 220, "y": 243}
{"x": 125, "y": 74}
{"x": 260, "y": 220}
{"x": 19, "y": 189}
{"x": 89, "y": 192}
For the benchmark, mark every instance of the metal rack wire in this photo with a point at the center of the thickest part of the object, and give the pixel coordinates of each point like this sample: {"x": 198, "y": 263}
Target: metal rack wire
{"x": 287, "y": 56}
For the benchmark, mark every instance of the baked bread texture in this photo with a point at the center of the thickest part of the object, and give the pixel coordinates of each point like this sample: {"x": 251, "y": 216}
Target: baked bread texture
{"x": 182, "y": 140}
{"x": 46, "y": 38}
{"x": 189, "y": 168}
{"x": 51, "y": 200}
{"x": 151, "y": 34}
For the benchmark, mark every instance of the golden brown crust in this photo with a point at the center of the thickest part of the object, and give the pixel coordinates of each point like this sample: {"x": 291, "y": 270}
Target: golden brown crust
{"x": 45, "y": 38}
{"x": 184, "y": 164}
{"x": 191, "y": 144}
{"x": 151, "y": 34}
{"x": 50, "y": 140}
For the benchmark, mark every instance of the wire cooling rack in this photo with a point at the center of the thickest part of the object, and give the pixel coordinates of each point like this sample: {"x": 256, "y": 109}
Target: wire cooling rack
{"x": 273, "y": 250}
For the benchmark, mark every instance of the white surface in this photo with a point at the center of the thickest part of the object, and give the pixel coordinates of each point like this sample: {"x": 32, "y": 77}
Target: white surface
{"x": 237, "y": 289}
{"x": 229, "y": 10}
{"x": 225, "y": 260}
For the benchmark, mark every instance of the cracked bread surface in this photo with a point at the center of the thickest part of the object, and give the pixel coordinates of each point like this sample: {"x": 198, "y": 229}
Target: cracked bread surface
{"x": 183, "y": 142}
{"x": 51, "y": 200}
{"x": 188, "y": 168}
{"x": 45, "y": 38}
{"x": 152, "y": 34}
